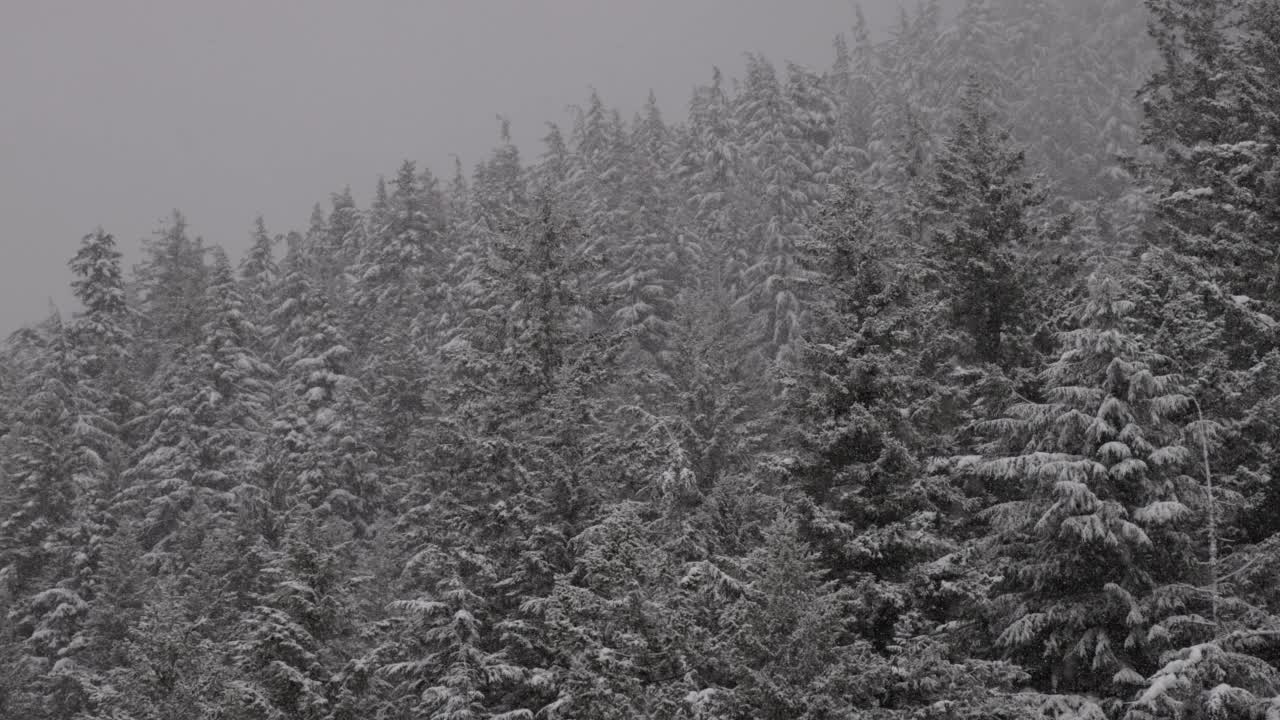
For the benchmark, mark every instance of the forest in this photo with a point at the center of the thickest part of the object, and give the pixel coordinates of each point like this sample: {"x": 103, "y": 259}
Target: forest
{"x": 939, "y": 383}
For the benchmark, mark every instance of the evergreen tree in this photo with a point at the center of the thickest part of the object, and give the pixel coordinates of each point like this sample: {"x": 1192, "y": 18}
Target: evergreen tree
{"x": 396, "y": 304}
{"x": 1207, "y": 114}
{"x": 526, "y": 456}
{"x": 340, "y": 249}
{"x": 619, "y": 642}
{"x": 259, "y": 277}
{"x": 454, "y": 675}
{"x": 321, "y": 417}
{"x": 553, "y": 168}
{"x": 205, "y": 427}
{"x": 163, "y": 482}
{"x": 49, "y": 536}
{"x": 235, "y": 404}
{"x": 1208, "y": 277}
{"x": 783, "y": 177}
{"x": 649, "y": 261}
{"x": 866, "y": 405}
{"x": 171, "y": 285}
{"x": 981, "y": 200}
{"x": 708, "y": 167}
{"x": 289, "y": 646}
{"x": 171, "y": 668}
{"x": 788, "y": 647}
{"x": 102, "y": 337}
{"x": 498, "y": 188}
{"x": 1098, "y": 546}
{"x": 692, "y": 417}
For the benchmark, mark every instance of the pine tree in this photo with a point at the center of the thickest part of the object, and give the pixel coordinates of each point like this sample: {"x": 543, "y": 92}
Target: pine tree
{"x": 49, "y": 534}
{"x": 705, "y": 417}
{"x": 911, "y": 97}
{"x": 259, "y": 278}
{"x": 618, "y": 641}
{"x": 171, "y": 667}
{"x": 1098, "y": 545}
{"x": 171, "y": 285}
{"x": 692, "y": 417}
{"x": 521, "y": 462}
{"x": 866, "y": 403}
{"x": 553, "y": 168}
{"x": 205, "y": 426}
{"x": 706, "y": 166}
{"x": 783, "y": 177}
{"x": 105, "y": 403}
{"x": 396, "y": 306}
{"x": 981, "y": 200}
{"x": 1209, "y": 280}
{"x": 1207, "y": 113}
{"x": 593, "y": 183}
{"x": 788, "y": 651}
{"x": 1202, "y": 114}
{"x": 851, "y": 85}
{"x": 344, "y": 240}
{"x": 399, "y": 257}
{"x": 454, "y": 674}
{"x": 982, "y": 51}
{"x": 498, "y": 187}
{"x": 162, "y": 483}
{"x": 1077, "y": 131}
{"x": 102, "y": 335}
{"x": 235, "y": 403}
{"x": 649, "y": 259}
{"x": 289, "y": 646}
{"x": 321, "y": 421}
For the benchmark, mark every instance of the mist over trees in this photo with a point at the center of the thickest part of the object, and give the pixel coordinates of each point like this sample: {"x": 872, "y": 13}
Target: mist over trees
{"x": 941, "y": 382}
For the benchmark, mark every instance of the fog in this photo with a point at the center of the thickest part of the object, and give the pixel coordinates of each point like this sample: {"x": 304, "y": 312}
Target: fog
{"x": 115, "y": 113}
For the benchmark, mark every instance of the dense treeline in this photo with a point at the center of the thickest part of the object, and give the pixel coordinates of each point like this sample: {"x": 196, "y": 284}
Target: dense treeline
{"x": 942, "y": 383}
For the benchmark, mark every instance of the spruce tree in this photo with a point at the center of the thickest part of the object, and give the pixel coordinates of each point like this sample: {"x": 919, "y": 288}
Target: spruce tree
{"x": 1208, "y": 275}
{"x": 396, "y": 306}
{"x": 290, "y": 645}
{"x": 707, "y": 166}
{"x": 236, "y": 402}
{"x": 321, "y": 418}
{"x": 866, "y": 405}
{"x": 980, "y": 203}
{"x": 259, "y": 278}
{"x": 649, "y": 260}
{"x": 171, "y": 285}
{"x": 52, "y": 533}
{"x": 784, "y": 177}
{"x": 1098, "y": 546}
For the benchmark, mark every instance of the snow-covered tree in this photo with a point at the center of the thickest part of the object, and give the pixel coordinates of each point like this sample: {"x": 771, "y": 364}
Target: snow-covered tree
{"x": 171, "y": 284}
{"x": 289, "y": 647}
{"x": 1097, "y": 542}
{"x": 981, "y": 231}
{"x": 50, "y": 534}
{"x": 396, "y": 305}
{"x": 322, "y": 419}
{"x": 784, "y": 144}
{"x": 259, "y": 278}
{"x": 650, "y": 260}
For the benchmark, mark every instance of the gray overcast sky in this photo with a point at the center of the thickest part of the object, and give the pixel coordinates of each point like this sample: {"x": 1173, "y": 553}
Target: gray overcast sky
{"x": 114, "y": 112}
